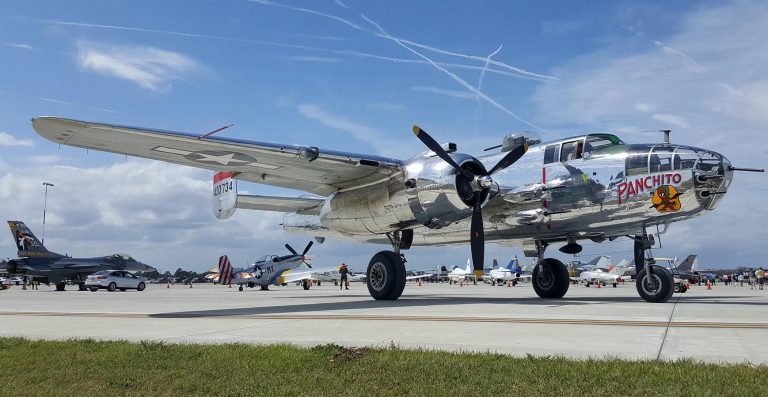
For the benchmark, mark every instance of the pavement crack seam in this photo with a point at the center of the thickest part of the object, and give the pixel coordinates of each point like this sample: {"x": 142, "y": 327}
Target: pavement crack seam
{"x": 666, "y": 329}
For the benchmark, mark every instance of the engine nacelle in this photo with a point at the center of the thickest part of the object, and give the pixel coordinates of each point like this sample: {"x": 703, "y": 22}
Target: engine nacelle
{"x": 434, "y": 193}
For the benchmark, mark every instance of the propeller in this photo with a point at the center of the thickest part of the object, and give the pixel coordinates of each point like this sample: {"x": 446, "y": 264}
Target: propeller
{"x": 473, "y": 185}
{"x": 306, "y": 249}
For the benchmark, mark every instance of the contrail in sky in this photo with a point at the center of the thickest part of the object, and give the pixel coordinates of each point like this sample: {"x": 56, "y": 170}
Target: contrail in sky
{"x": 262, "y": 42}
{"x": 408, "y": 42}
{"x": 452, "y": 75}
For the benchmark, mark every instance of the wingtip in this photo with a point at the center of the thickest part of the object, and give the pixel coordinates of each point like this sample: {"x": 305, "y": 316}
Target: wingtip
{"x": 416, "y": 130}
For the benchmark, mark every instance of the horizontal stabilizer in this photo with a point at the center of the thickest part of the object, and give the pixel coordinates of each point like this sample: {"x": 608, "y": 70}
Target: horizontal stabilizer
{"x": 305, "y": 205}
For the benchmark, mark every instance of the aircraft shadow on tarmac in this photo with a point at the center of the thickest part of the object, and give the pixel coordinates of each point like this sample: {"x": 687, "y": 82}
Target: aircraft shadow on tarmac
{"x": 366, "y": 302}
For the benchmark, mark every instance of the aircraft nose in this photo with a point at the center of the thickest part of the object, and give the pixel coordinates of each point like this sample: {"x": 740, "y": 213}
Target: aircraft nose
{"x": 714, "y": 174}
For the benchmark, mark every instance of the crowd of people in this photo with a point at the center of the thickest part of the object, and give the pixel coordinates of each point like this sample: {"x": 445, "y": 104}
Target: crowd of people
{"x": 754, "y": 278}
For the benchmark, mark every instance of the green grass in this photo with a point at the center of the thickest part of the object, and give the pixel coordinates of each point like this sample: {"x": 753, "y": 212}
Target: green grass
{"x": 87, "y": 367}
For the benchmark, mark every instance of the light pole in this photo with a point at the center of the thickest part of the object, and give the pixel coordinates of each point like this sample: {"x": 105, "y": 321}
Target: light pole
{"x": 45, "y": 204}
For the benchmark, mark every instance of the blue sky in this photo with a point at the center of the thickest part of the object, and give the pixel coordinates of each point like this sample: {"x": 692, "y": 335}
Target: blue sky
{"x": 323, "y": 73}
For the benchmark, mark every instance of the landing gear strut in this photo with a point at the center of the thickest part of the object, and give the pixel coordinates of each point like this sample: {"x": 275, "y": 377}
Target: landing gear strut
{"x": 654, "y": 283}
{"x": 550, "y": 276}
{"x": 385, "y": 276}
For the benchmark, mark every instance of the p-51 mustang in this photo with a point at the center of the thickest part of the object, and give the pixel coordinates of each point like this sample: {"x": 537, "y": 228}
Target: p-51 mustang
{"x": 272, "y": 270}
{"x": 36, "y": 261}
{"x": 589, "y": 187}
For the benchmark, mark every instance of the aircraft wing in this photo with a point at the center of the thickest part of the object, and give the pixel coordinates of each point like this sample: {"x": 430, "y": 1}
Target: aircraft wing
{"x": 295, "y": 276}
{"x": 303, "y": 168}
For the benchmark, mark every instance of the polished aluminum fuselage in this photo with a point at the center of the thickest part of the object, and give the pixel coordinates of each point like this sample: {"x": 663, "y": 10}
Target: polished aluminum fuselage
{"x": 597, "y": 196}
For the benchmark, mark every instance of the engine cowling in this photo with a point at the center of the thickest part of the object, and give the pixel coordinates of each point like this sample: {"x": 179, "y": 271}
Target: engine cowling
{"x": 437, "y": 194}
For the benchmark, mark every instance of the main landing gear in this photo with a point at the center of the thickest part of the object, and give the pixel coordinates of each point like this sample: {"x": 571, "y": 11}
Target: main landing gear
{"x": 550, "y": 276}
{"x": 654, "y": 283}
{"x": 385, "y": 276}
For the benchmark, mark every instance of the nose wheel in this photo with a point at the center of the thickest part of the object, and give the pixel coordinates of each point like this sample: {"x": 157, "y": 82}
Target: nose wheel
{"x": 550, "y": 279}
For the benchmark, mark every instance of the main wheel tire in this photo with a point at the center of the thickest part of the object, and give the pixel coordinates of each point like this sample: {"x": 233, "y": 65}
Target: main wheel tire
{"x": 552, "y": 281}
{"x": 656, "y": 287}
{"x": 264, "y": 288}
{"x": 61, "y": 286}
{"x": 385, "y": 276}
{"x": 305, "y": 285}
{"x": 112, "y": 287}
{"x": 141, "y": 287}
{"x": 240, "y": 288}
{"x": 93, "y": 289}
{"x": 81, "y": 287}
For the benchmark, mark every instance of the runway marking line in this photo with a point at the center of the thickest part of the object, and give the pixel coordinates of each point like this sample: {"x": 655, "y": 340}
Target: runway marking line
{"x": 364, "y": 317}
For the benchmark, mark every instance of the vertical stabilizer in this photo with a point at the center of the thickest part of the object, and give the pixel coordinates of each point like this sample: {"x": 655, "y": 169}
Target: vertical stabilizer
{"x": 27, "y": 244}
{"x": 688, "y": 265}
{"x": 225, "y": 270}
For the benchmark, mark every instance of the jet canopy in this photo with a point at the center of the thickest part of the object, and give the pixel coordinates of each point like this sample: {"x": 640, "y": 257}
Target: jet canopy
{"x": 125, "y": 257}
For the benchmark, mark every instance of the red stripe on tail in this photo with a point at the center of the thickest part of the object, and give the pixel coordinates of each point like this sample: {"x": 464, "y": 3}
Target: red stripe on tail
{"x": 225, "y": 270}
{"x": 217, "y": 177}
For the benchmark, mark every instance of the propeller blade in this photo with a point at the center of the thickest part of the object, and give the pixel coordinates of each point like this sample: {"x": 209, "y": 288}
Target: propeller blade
{"x": 477, "y": 239}
{"x": 293, "y": 251}
{"x": 432, "y": 145}
{"x": 307, "y": 248}
{"x": 307, "y": 263}
{"x": 510, "y": 158}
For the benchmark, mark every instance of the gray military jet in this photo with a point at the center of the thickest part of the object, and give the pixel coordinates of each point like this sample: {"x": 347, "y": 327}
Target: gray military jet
{"x": 530, "y": 193}
{"x": 36, "y": 261}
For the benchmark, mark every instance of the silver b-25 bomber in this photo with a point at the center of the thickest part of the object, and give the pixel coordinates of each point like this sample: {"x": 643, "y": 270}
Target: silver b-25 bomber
{"x": 530, "y": 193}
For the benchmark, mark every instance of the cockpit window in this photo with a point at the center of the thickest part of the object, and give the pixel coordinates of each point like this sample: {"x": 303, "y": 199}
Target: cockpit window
{"x": 550, "y": 154}
{"x": 637, "y": 164}
{"x": 599, "y": 141}
{"x": 661, "y": 159}
{"x": 571, "y": 150}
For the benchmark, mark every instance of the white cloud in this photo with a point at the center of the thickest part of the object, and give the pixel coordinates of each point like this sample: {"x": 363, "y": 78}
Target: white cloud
{"x": 21, "y": 46}
{"x": 9, "y": 140}
{"x": 149, "y": 67}
{"x": 675, "y": 120}
{"x": 385, "y": 144}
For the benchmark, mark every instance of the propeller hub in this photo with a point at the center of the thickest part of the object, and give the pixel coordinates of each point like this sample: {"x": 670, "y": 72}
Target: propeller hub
{"x": 484, "y": 182}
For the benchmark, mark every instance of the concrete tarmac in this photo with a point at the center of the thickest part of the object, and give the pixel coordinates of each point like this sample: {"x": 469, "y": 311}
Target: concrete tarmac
{"x": 725, "y": 324}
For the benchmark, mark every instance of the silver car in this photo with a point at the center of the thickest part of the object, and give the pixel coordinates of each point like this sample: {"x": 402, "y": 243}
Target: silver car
{"x": 114, "y": 279}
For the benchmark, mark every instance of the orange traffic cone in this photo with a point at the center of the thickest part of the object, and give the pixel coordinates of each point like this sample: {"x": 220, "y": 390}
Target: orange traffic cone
{"x": 509, "y": 284}
{"x": 419, "y": 283}
{"x": 169, "y": 285}
{"x": 230, "y": 284}
{"x": 597, "y": 285}
{"x": 190, "y": 284}
{"x": 709, "y": 285}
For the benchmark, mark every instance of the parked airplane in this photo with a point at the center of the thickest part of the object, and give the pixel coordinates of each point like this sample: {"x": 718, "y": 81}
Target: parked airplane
{"x": 611, "y": 275}
{"x": 589, "y": 187}
{"x": 271, "y": 270}
{"x": 512, "y": 273}
{"x": 36, "y": 261}
{"x": 687, "y": 270}
{"x": 459, "y": 275}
